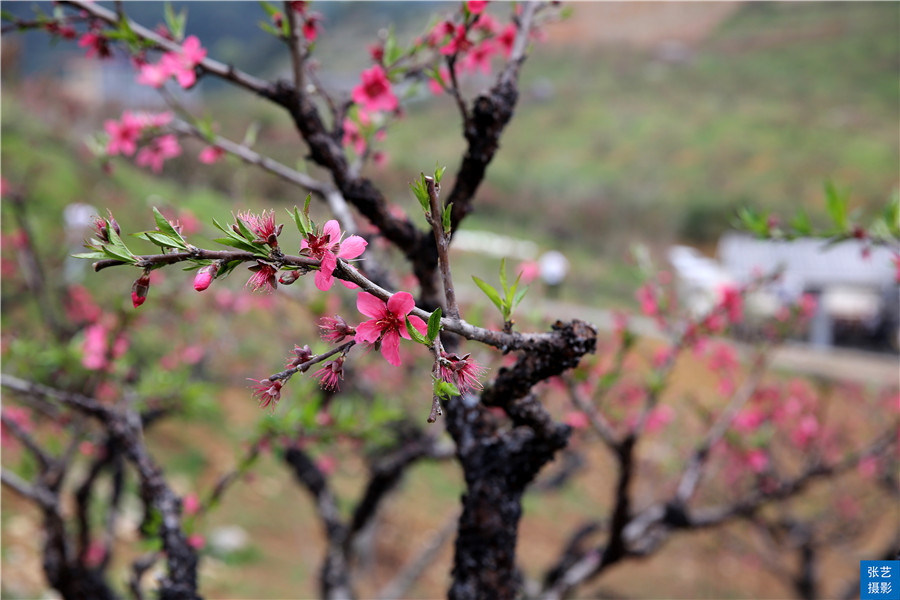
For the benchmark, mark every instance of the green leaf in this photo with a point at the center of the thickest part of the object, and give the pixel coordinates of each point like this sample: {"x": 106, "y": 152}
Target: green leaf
{"x": 446, "y": 219}
{"x": 438, "y": 173}
{"x": 237, "y": 243}
{"x": 503, "y": 276}
{"x": 7, "y": 16}
{"x": 444, "y": 389}
{"x": 165, "y": 227}
{"x": 421, "y": 194}
{"x": 414, "y": 333}
{"x": 253, "y": 129}
{"x": 490, "y": 292}
{"x": 116, "y": 242}
{"x": 268, "y": 28}
{"x": 174, "y": 22}
{"x": 160, "y": 239}
{"x": 518, "y": 298}
{"x": 836, "y": 204}
{"x": 90, "y": 255}
{"x": 116, "y": 254}
{"x": 300, "y": 221}
{"x": 392, "y": 52}
{"x": 434, "y": 325}
{"x": 245, "y": 231}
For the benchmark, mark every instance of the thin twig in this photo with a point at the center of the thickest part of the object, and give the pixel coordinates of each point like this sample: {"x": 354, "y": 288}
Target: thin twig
{"x": 303, "y": 367}
{"x": 442, "y": 240}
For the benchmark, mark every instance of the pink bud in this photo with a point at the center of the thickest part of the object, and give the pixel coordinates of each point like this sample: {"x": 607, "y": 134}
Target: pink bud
{"x": 288, "y": 277}
{"x": 140, "y": 288}
{"x": 205, "y": 276}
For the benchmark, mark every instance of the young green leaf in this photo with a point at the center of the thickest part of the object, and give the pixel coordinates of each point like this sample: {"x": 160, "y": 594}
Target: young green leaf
{"x": 444, "y": 389}
{"x": 836, "y": 204}
{"x": 490, "y": 292}
{"x": 438, "y": 173}
{"x": 448, "y": 210}
{"x": 434, "y": 325}
{"x": 414, "y": 334}
{"x": 503, "y": 276}
{"x": 167, "y": 229}
{"x": 300, "y": 221}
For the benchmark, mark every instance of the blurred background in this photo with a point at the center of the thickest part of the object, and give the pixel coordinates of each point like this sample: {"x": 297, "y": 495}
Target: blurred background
{"x": 639, "y": 125}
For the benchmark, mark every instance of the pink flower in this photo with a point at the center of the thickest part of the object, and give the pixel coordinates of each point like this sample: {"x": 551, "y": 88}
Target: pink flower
{"x": 388, "y": 322}
{"x": 196, "y": 541}
{"x": 749, "y": 420}
{"x": 380, "y": 159}
{"x": 191, "y": 504}
{"x": 439, "y": 32}
{"x": 353, "y": 137}
{"x": 159, "y": 150}
{"x": 154, "y": 75}
{"x": 327, "y": 464}
{"x": 94, "y": 347}
{"x": 486, "y": 23}
{"x": 210, "y": 154}
{"x": 647, "y": 297}
{"x": 311, "y": 26}
{"x": 437, "y": 86}
{"x": 732, "y": 302}
{"x": 327, "y": 248}
{"x": 96, "y": 45}
{"x": 808, "y": 304}
{"x": 462, "y": 371}
{"x": 204, "y": 277}
{"x": 374, "y": 93}
{"x": 263, "y": 277}
{"x": 267, "y": 392}
{"x": 805, "y": 432}
{"x": 330, "y": 374}
{"x": 658, "y": 418}
{"x": 123, "y": 136}
{"x": 480, "y": 58}
{"x": 263, "y": 225}
{"x": 94, "y": 555}
{"x": 182, "y": 63}
{"x": 458, "y": 43}
{"x": 476, "y": 7}
{"x": 507, "y": 38}
{"x": 757, "y": 460}
{"x": 335, "y": 329}
{"x": 723, "y": 358}
{"x": 576, "y": 420}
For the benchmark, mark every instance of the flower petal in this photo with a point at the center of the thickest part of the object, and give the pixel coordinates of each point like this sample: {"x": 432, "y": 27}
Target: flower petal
{"x": 349, "y": 284}
{"x": 419, "y": 324}
{"x": 370, "y": 306}
{"x": 368, "y": 331}
{"x": 352, "y": 247}
{"x": 401, "y": 303}
{"x": 390, "y": 348}
{"x": 324, "y": 279}
{"x": 333, "y": 231}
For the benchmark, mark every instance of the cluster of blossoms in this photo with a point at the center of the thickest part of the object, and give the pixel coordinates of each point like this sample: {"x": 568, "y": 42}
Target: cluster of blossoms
{"x": 125, "y": 134}
{"x": 181, "y": 65}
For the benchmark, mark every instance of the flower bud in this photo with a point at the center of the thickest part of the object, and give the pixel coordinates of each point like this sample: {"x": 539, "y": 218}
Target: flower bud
{"x": 140, "y": 288}
{"x": 289, "y": 277}
{"x": 205, "y": 276}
